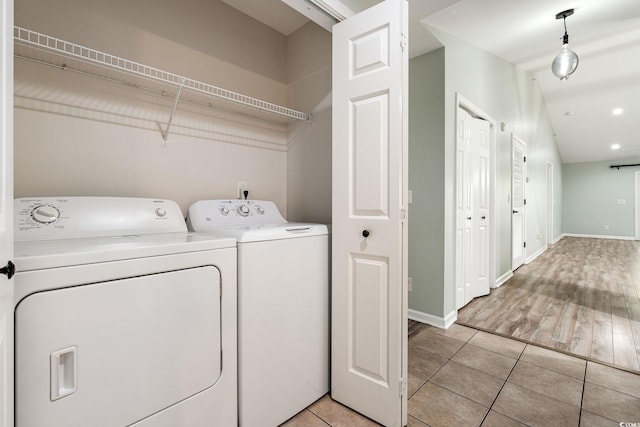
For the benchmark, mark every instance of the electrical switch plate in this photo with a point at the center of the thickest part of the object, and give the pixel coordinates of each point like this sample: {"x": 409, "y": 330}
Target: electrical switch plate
{"x": 240, "y": 187}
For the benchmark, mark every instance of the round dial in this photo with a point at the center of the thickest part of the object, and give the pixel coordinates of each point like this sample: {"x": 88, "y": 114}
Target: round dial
{"x": 45, "y": 214}
{"x": 161, "y": 212}
{"x": 260, "y": 210}
{"x": 224, "y": 210}
{"x": 243, "y": 210}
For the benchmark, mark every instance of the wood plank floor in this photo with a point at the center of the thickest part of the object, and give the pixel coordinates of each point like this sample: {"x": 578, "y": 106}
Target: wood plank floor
{"x": 581, "y": 296}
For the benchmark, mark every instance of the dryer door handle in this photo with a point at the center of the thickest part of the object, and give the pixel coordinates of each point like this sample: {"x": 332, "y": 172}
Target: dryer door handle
{"x": 64, "y": 367}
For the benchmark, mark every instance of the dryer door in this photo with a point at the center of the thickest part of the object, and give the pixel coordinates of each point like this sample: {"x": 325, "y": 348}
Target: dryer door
{"x": 113, "y": 353}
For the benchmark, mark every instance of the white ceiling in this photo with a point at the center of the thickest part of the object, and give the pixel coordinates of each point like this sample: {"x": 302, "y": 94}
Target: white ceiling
{"x": 605, "y": 34}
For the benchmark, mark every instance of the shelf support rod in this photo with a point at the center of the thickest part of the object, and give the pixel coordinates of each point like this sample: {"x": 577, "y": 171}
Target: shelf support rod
{"x": 173, "y": 111}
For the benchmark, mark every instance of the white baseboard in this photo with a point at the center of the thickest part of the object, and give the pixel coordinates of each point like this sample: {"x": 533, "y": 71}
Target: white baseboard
{"x": 502, "y": 279}
{"x": 557, "y": 239}
{"x": 536, "y": 254}
{"x": 430, "y": 319}
{"x": 599, "y": 236}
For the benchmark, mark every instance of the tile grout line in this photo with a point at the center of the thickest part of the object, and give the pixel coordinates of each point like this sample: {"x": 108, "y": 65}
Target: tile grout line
{"x": 501, "y": 388}
{"x": 584, "y": 384}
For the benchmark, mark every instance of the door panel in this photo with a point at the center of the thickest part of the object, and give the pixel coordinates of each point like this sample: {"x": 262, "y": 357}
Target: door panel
{"x": 369, "y": 336}
{"x": 370, "y": 296}
{"x": 371, "y": 170}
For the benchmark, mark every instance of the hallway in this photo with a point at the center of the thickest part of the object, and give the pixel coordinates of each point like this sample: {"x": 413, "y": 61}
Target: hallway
{"x": 581, "y": 297}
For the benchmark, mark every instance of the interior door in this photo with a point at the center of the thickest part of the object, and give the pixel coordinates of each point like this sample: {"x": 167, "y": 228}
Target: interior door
{"x": 464, "y": 208}
{"x": 369, "y": 275}
{"x": 473, "y": 231}
{"x": 6, "y": 209}
{"x": 518, "y": 201}
{"x": 481, "y": 230}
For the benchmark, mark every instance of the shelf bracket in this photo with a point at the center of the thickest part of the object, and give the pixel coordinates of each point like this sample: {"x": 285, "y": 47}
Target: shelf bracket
{"x": 165, "y": 136}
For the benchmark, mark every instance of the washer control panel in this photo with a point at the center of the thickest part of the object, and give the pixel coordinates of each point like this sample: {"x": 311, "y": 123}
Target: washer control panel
{"x": 233, "y": 212}
{"x": 47, "y": 218}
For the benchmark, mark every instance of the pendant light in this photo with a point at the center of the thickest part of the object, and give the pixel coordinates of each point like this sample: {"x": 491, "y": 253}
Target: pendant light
{"x": 566, "y": 62}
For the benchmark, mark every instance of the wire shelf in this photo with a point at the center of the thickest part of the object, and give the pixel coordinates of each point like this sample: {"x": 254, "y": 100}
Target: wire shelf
{"x": 51, "y": 51}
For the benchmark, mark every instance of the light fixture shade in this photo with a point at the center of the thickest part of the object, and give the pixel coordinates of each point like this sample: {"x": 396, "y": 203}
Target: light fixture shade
{"x": 565, "y": 63}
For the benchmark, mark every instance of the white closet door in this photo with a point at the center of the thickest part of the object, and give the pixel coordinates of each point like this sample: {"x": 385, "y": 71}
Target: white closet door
{"x": 369, "y": 294}
{"x": 464, "y": 208}
{"x": 518, "y": 176}
{"x": 473, "y": 231}
{"x": 481, "y": 230}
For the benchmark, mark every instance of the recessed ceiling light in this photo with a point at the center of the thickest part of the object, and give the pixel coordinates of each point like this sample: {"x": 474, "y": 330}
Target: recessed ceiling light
{"x": 615, "y": 146}
{"x": 617, "y": 111}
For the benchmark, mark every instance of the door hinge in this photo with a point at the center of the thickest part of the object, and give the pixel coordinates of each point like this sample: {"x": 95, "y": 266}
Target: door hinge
{"x": 525, "y": 201}
{"x": 403, "y": 215}
{"x": 525, "y": 159}
{"x": 403, "y": 387}
{"x": 403, "y": 42}
{"x": 525, "y": 244}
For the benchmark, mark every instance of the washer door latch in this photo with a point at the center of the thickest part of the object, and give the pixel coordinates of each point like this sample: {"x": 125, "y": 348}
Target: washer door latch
{"x": 9, "y": 270}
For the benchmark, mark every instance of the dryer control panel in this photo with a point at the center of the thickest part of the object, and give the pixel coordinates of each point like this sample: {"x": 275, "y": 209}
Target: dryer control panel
{"x": 50, "y": 218}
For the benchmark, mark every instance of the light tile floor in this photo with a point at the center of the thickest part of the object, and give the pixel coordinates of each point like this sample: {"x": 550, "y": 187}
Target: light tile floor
{"x": 462, "y": 376}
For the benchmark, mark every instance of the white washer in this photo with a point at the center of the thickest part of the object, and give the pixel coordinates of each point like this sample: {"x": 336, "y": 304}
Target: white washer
{"x": 122, "y": 317}
{"x": 283, "y": 306}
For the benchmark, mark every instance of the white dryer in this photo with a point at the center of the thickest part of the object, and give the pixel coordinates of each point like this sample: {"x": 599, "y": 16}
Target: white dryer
{"x": 283, "y": 306}
{"x": 122, "y": 317}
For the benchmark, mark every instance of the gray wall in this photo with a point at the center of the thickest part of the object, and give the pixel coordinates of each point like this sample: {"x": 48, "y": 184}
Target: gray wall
{"x": 507, "y": 94}
{"x": 426, "y": 181}
{"x": 590, "y": 199}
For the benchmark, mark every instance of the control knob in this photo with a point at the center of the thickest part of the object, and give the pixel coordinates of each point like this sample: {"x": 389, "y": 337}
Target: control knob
{"x": 260, "y": 210}
{"x": 224, "y": 210}
{"x": 161, "y": 212}
{"x": 243, "y": 210}
{"x": 45, "y": 214}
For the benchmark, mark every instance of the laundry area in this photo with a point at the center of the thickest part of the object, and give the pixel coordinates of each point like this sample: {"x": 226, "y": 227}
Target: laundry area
{"x": 126, "y": 114}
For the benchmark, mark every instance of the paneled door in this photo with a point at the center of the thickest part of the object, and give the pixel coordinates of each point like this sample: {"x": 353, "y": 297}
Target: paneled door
{"x": 473, "y": 231}
{"x": 518, "y": 201}
{"x": 369, "y": 234}
{"x": 6, "y": 212}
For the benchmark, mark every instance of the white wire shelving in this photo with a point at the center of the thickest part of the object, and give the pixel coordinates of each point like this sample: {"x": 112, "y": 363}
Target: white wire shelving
{"x": 47, "y": 50}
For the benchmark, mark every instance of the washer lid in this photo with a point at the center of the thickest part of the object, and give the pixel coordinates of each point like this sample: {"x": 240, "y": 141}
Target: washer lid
{"x": 263, "y": 232}
{"x": 62, "y": 253}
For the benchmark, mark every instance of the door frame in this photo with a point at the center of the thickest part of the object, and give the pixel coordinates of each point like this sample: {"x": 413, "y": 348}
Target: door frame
{"x": 474, "y": 110}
